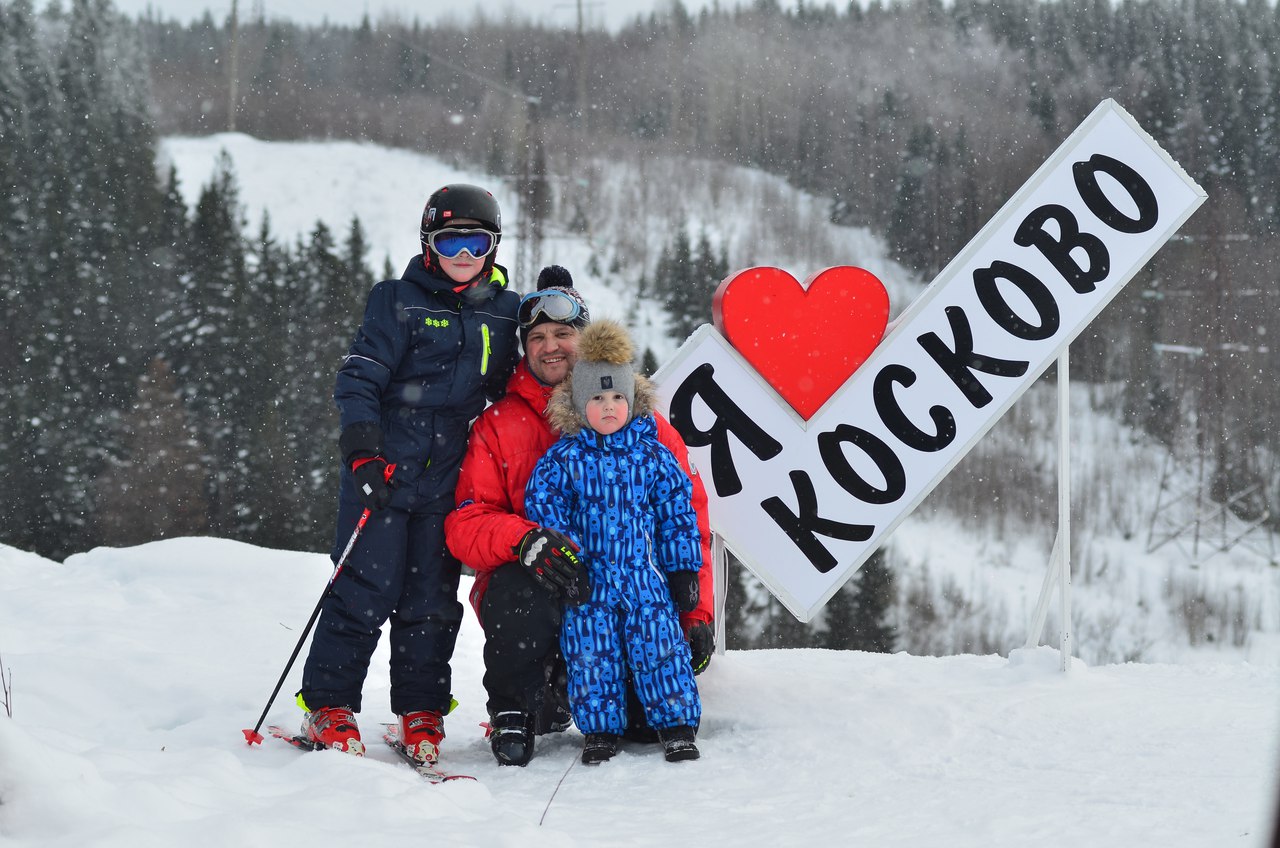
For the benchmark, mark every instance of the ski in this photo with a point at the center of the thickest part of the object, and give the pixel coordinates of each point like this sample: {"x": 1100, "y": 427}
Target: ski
{"x": 390, "y": 734}
{"x": 298, "y": 741}
{"x": 429, "y": 772}
{"x": 302, "y": 743}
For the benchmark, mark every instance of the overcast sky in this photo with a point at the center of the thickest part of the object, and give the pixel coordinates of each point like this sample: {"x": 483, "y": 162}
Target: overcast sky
{"x": 611, "y": 13}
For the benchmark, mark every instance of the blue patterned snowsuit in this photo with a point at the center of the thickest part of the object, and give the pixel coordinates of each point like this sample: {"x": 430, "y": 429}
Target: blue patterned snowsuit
{"x": 624, "y": 499}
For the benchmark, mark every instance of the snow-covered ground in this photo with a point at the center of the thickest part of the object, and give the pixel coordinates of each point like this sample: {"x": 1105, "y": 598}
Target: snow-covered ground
{"x": 134, "y": 670}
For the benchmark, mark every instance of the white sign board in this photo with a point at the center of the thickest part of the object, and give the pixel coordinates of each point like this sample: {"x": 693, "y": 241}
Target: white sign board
{"x": 803, "y": 504}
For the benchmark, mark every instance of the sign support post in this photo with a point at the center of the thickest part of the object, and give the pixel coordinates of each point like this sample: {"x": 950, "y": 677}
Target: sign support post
{"x": 720, "y": 559}
{"x": 1060, "y": 558}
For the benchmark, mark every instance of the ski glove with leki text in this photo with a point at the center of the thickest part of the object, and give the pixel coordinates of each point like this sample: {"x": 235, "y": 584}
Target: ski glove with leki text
{"x": 551, "y": 560}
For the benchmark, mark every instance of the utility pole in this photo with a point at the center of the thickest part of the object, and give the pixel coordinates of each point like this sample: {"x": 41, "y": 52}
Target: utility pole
{"x": 531, "y": 188}
{"x": 1203, "y": 499}
{"x": 232, "y": 69}
{"x": 582, "y": 72}
{"x": 581, "y": 104}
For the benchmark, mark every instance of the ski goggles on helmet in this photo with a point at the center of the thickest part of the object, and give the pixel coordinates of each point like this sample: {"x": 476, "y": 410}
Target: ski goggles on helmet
{"x": 556, "y": 305}
{"x": 452, "y": 241}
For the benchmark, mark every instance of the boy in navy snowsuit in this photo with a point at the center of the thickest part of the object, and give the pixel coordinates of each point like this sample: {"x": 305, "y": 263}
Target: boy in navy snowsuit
{"x": 433, "y": 346}
{"x": 611, "y": 487}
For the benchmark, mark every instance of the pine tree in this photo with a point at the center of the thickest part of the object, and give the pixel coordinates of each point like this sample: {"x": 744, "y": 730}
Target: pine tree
{"x": 205, "y": 339}
{"x": 329, "y": 289}
{"x": 331, "y": 327}
{"x": 685, "y": 280}
{"x": 355, "y": 259}
{"x": 155, "y": 488}
{"x": 855, "y": 618}
{"x": 648, "y": 362}
{"x": 1040, "y": 100}
{"x": 737, "y": 632}
{"x": 173, "y": 232}
{"x": 300, "y": 469}
{"x": 167, "y": 259}
{"x": 908, "y": 230}
{"x": 671, "y": 280}
{"x": 875, "y": 598}
{"x": 31, "y": 298}
{"x": 87, "y": 195}
{"x": 838, "y": 632}
{"x": 709, "y": 270}
{"x": 15, "y": 201}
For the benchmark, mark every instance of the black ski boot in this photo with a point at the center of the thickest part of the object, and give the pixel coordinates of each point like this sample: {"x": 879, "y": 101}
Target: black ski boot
{"x": 678, "y": 744}
{"x": 511, "y": 737}
{"x": 599, "y": 747}
{"x": 554, "y": 715}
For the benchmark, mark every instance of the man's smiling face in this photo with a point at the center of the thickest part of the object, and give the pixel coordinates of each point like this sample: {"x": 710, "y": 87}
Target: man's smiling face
{"x": 551, "y": 350}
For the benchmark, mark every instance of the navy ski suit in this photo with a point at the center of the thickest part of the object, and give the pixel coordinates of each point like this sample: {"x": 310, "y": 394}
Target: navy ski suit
{"x": 627, "y": 503}
{"x": 423, "y": 362}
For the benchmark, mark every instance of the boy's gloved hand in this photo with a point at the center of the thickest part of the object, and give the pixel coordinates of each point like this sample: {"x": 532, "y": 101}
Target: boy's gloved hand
{"x": 702, "y": 644}
{"x": 683, "y": 586}
{"x": 551, "y": 560}
{"x": 373, "y": 481}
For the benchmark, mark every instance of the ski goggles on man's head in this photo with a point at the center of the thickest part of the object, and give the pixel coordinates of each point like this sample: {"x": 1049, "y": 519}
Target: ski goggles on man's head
{"x": 554, "y": 304}
{"x": 452, "y": 241}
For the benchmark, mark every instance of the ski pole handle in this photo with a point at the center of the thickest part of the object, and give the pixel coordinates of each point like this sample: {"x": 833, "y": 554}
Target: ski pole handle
{"x": 253, "y": 736}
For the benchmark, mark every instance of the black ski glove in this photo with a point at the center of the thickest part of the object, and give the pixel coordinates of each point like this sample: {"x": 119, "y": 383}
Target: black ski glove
{"x": 373, "y": 481}
{"x": 551, "y": 560}
{"x": 702, "y": 644}
{"x": 683, "y": 586}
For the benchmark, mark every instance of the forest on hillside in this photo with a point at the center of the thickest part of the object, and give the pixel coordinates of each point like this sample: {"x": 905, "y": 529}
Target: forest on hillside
{"x": 131, "y": 415}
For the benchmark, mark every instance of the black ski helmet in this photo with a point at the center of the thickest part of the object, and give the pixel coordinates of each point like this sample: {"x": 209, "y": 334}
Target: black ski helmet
{"x": 460, "y": 200}
{"x": 452, "y": 202}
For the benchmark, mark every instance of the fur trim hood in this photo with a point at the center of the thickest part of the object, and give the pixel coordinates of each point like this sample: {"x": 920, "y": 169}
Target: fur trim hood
{"x": 605, "y": 360}
{"x": 567, "y": 420}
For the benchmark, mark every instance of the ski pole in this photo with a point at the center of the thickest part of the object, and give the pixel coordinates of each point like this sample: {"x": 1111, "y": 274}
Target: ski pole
{"x": 253, "y": 736}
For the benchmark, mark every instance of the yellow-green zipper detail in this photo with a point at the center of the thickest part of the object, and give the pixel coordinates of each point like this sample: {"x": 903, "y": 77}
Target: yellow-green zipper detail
{"x": 488, "y": 349}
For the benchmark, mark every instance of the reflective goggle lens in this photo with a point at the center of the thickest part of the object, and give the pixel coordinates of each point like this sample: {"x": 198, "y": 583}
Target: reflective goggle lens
{"x": 449, "y": 243}
{"x": 556, "y": 305}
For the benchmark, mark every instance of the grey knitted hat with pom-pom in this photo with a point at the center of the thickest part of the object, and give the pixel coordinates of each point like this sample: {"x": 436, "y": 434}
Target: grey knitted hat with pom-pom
{"x": 605, "y": 362}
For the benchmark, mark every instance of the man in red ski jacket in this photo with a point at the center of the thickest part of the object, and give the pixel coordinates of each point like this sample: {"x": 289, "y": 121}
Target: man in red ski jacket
{"x": 524, "y": 572}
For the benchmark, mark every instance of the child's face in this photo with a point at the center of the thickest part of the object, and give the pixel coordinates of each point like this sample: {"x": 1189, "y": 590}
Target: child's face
{"x": 607, "y": 412}
{"x": 464, "y": 266}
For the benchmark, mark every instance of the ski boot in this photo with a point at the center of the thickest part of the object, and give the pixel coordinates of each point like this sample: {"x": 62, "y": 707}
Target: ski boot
{"x": 422, "y": 731}
{"x": 678, "y": 744}
{"x": 598, "y": 748}
{"x": 511, "y": 737}
{"x": 333, "y": 727}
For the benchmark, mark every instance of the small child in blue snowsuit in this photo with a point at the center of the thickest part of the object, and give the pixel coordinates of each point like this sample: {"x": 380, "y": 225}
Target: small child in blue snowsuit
{"x": 619, "y": 494}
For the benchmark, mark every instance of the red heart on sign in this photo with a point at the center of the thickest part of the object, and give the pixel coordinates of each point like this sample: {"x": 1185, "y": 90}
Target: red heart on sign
{"x": 805, "y": 340}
